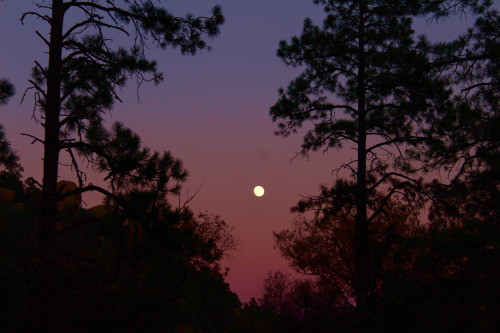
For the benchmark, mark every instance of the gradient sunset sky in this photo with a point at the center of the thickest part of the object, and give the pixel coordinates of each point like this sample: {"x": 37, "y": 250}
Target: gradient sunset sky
{"x": 211, "y": 112}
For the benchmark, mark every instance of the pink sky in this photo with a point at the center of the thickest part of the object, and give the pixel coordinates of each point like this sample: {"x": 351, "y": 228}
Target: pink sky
{"x": 212, "y": 112}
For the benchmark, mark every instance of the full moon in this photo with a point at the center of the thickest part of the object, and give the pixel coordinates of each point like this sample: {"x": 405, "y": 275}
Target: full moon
{"x": 258, "y": 191}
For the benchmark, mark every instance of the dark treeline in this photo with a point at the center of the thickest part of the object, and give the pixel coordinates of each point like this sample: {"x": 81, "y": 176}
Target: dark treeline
{"x": 405, "y": 239}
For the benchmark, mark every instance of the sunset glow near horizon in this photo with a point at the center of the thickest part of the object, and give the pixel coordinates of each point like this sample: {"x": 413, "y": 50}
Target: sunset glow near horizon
{"x": 212, "y": 113}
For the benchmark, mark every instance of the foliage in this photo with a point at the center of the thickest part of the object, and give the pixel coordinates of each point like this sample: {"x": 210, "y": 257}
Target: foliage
{"x": 137, "y": 264}
{"x": 113, "y": 272}
{"x": 8, "y": 158}
{"x": 465, "y": 140}
{"x": 254, "y": 318}
{"x": 446, "y": 282}
{"x": 303, "y": 305}
{"x": 128, "y": 165}
{"x": 213, "y": 230}
{"x": 433, "y": 278}
{"x": 366, "y": 83}
{"x": 85, "y": 72}
{"x": 323, "y": 247}
{"x": 6, "y": 91}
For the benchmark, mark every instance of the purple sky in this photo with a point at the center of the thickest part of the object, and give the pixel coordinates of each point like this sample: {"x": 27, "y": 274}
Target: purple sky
{"x": 212, "y": 112}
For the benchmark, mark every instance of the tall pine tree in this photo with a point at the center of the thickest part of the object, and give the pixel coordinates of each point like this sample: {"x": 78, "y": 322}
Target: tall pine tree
{"x": 85, "y": 70}
{"x": 365, "y": 85}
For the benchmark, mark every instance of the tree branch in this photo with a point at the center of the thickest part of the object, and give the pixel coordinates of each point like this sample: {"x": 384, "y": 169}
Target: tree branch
{"x": 35, "y": 139}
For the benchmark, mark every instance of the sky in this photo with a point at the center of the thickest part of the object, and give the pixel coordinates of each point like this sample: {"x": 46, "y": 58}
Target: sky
{"x": 212, "y": 112}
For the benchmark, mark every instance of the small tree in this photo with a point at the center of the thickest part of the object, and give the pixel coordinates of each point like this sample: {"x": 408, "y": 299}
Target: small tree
{"x": 141, "y": 182}
{"x": 301, "y": 305}
{"x": 322, "y": 246}
{"x": 366, "y": 84}
{"x": 129, "y": 166}
{"x": 84, "y": 71}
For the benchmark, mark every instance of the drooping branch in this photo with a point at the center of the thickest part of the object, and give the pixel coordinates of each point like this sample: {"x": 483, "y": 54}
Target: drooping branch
{"x": 386, "y": 177}
{"x": 80, "y": 174}
{"x": 392, "y": 141}
{"x": 39, "y": 89}
{"x": 97, "y": 23}
{"x": 90, "y": 187}
{"x": 35, "y": 139}
{"x": 46, "y": 18}
{"x": 189, "y": 198}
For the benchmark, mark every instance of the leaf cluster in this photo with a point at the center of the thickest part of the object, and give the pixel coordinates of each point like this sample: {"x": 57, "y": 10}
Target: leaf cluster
{"x": 6, "y": 91}
{"x": 129, "y": 166}
{"x": 8, "y": 158}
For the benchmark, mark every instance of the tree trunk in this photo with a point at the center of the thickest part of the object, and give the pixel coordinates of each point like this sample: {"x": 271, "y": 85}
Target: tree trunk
{"x": 51, "y": 124}
{"x": 361, "y": 241}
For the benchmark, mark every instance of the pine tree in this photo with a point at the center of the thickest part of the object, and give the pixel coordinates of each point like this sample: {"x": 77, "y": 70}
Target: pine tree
{"x": 367, "y": 84}
{"x": 84, "y": 71}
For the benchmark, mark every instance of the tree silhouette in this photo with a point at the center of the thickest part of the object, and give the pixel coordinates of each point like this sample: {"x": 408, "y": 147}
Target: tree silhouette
{"x": 303, "y": 305}
{"x": 6, "y": 91}
{"x": 128, "y": 165}
{"x": 322, "y": 247}
{"x": 8, "y": 158}
{"x": 142, "y": 184}
{"x": 140, "y": 262}
{"x": 465, "y": 140}
{"x": 112, "y": 272}
{"x": 366, "y": 84}
{"x": 452, "y": 263}
{"x": 84, "y": 71}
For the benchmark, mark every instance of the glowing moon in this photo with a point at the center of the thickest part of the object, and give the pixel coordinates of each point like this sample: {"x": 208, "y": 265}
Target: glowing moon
{"x": 258, "y": 191}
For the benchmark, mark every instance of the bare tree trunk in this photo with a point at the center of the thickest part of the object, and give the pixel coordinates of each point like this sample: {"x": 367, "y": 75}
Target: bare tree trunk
{"x": 361, "y": 241}
{"x": 51, "y": 123}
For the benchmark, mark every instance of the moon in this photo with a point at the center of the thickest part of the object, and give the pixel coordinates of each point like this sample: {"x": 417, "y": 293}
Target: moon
{"x": 258, "y": 191}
